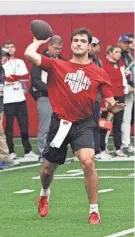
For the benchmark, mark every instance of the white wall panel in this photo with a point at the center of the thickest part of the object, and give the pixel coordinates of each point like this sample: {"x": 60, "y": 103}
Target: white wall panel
{"x": 57, "y": 7}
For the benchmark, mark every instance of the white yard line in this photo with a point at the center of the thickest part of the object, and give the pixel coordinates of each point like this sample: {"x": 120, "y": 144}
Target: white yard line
{"x": 35, "y": 165}
{"x": 82, "y": 177}
{"x": 19, "y": 167}
{"x": 100, "y": 177}
{"x": 122, "y": 233}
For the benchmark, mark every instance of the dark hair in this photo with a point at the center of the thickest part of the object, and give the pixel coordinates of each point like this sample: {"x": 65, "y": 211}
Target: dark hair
{"x": 130, "y": 35}
{"x": 82, "y": 31}
{"x": 56, "y": 39}
{"x": 110, "y": 48}
{"x": 7, "y": 42}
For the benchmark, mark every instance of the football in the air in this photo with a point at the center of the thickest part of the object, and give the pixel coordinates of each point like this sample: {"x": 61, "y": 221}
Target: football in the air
{"x": 41, "y": 29}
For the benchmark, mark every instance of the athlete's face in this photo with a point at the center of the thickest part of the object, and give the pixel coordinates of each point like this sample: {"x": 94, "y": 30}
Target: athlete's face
{"x": 80, "y": 45}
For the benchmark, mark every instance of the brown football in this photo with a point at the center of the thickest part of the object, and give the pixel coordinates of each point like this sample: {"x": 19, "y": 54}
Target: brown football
{"x": 41, "y": 29}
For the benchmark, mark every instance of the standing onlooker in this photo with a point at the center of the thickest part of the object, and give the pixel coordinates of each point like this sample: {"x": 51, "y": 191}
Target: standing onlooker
{"x": 39, "y": 91}
{"x": 113, "y": 66}
{"x": 15, "y": 102}
{"x": 124, "y": 42}
{"x": 131, "y": 48}
{"x": 93, "y": 55}
{"x": 4, "y": 152}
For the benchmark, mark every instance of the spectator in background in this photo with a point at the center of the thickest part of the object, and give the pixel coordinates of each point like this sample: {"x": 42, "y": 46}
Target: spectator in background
{"x": 124, "y": 42}
{"x": 4, "y": 152}
{"x": 39, "y": 92}
{"x": 113, "y": 66}
{"x": 131, "y": 48}
{"x": 15, "y": 102}
{"x": 93, "y": 56}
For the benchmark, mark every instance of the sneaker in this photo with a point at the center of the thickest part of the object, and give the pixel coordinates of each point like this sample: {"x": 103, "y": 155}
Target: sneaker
{"x": 43, "y": 205}
{"x": 94, "y": 218}
{"x": 103, "y": 156}
{"x": 12, "y": 156}
{"x": 131, "y": 149}
{"x": 120, "y": 153}
{"x": 3, "y": 165}
{"x": 30, "y": 157}
{"x": 13, "y": 162}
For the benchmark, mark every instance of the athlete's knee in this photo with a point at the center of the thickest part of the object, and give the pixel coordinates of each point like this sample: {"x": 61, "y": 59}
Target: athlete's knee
{"x": 49, "y": 168}
{"x": 87, "y": 160}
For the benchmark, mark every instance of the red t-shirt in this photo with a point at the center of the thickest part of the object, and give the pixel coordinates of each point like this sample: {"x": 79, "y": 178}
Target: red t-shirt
{"x": 73, "y": 88}
{"x": 115, "y": 76}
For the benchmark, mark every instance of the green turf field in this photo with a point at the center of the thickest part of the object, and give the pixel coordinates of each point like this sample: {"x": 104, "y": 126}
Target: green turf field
{"x": 68, "y": 205}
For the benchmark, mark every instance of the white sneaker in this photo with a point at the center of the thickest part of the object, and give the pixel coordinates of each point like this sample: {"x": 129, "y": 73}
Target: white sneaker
{"x": 131, "y": 149}
{"x": 12, "y": 156}
{"x": 30, "y": 157}
{"x": 120, "y": 153}
{"x": 13, "y": 162}
{"x": 103, "y": 156}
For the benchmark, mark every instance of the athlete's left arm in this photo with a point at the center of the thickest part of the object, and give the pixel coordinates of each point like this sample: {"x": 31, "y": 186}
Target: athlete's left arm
{"x": 113, "y": 106}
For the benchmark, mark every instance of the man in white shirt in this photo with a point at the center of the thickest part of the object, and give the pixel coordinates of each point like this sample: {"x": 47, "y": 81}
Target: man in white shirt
{"x": 15, "y": 102}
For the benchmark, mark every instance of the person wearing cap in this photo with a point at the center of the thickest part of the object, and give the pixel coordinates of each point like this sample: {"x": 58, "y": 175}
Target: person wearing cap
{"x": 4, "y": 152}
{"x": 95, "y": 50}
{"x": 123, "y": 42}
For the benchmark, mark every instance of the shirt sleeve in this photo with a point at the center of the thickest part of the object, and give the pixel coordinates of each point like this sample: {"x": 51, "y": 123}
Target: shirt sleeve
{"x": 46, "y": 63}
{"x": 106, "y": 86}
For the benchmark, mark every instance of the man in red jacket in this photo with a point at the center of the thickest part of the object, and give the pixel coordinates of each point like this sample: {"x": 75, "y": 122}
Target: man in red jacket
{"x": 72, "y": 86}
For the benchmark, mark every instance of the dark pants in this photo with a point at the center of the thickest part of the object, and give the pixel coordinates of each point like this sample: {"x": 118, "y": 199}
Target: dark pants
{"x": 96, "y": 131}
{"x": 133, "y": 114}
{"x": 117, "y": 121}
{"x": 18, "y": 110}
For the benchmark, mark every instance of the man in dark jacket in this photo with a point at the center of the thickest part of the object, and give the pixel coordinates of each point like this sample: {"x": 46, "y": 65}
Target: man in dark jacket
{"x": 93, "y": 55}
{"x": 39, "y": 92}
{"x": 124, "y": 42}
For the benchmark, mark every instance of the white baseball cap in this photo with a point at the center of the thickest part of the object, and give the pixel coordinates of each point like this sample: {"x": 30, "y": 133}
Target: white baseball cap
{"x": 95, "y": 40}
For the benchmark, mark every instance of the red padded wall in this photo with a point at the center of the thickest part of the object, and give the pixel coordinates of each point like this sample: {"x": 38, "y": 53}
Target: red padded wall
{"x": 107, "y": 27}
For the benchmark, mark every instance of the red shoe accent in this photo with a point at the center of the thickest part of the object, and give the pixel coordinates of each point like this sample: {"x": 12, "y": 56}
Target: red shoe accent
{"x": 43, "y": 205}
{"x": 94, "y": 218}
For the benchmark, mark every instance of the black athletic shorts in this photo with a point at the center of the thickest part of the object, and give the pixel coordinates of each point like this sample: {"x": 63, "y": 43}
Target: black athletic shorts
{"x": 80, "y": 136}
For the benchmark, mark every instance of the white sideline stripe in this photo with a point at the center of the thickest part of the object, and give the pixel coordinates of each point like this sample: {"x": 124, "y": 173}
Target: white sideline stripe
{"x": 82, "y": 177}
{"x": 116, "y": 158}
{"x": 19, "y": 168}
{"x": 102, "y": 169}
{"x": 122, "y": 233}
{"x": 131, "y": 158}
{"x": 132, "y": 175}
{"x": 35, "y": 165}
